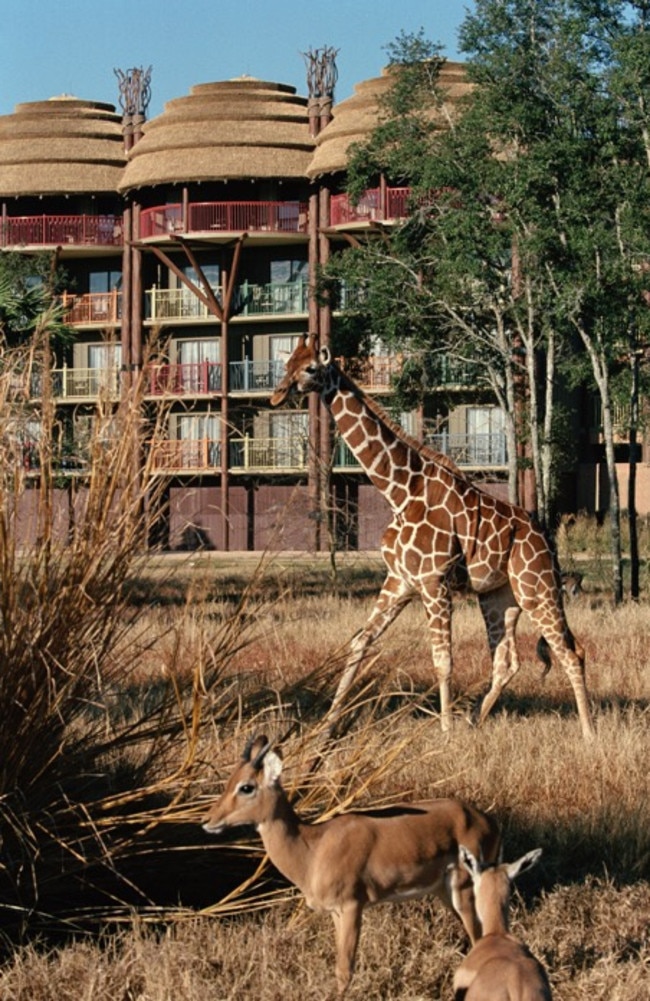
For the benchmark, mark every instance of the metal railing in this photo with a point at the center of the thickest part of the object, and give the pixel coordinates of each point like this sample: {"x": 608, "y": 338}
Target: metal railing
{"x": 215, "y": 217}
{"x": 488, "y": 449}
{"x": 79, "y": 383}
{"x": 273, "y": 298}
{"x": 92, "y": 307}
{"x": 373, "y": 372}
{"x": 254, "y": 376}
{"x": 183, "y": 379}
{"x": 370, "y": 206}
{"x": 186, "y": 455}
{"x": 174, "y": 304}
{"x": 59, "y": 230}
{"x": 248, "y": 453}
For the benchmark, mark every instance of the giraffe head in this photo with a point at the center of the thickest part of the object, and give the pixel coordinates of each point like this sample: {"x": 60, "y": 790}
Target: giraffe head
{"x": 305, "y": 371}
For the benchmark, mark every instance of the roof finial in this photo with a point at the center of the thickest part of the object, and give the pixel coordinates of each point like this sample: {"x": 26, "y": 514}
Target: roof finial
{"x": 135, "y": 90}
{"x": 321, "y": 71}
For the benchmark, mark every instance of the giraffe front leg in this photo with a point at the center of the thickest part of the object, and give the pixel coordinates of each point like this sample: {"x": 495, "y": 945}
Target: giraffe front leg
{"x": 394, "y": 596}
{"x": 437, "y": 604}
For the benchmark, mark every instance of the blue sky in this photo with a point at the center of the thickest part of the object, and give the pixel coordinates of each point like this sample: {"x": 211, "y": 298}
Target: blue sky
{"x": 52, "y": 47}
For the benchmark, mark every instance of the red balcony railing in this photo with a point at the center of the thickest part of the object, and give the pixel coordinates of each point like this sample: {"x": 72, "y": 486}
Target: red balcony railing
{"x": 179, "y": 380}
{"x": 214, "y": 217}
{"x": 372, "y": 206}
{"x": 59, "y": 230}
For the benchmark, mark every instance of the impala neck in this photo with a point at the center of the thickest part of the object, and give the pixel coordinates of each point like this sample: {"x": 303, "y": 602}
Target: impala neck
{"x": 282, "y": 836}
{"x": 390, "y": 463}
{"x": 492, "y": 909}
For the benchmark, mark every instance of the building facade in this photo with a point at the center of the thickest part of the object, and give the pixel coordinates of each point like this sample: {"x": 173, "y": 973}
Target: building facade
{"x": 191, "y": 245}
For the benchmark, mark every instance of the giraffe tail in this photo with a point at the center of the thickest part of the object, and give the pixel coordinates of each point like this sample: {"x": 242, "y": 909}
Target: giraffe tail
{"x": 544, "y": 652}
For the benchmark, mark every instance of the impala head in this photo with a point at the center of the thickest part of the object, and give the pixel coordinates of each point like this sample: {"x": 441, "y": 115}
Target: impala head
{"x": 249, "y": 795}
{"x": 492, "y": 882}
{"x": 306, "y": 370}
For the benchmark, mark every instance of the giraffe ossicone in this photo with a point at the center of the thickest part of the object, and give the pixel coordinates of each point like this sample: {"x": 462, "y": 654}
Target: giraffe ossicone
{"x": 443, "y": 526}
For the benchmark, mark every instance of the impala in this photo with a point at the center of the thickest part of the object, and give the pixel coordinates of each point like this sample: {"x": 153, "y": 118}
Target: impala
{"x": 352, "y": 860}
{"x": 498, "y": 967}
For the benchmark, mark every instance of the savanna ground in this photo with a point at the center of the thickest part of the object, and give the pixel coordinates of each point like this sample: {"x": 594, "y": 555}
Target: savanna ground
{"x": 251, "y": 645}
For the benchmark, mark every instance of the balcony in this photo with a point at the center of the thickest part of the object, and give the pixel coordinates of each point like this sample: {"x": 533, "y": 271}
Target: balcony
{"x": 92, "y": 308}
{"x": 75, "y": 384}
{"x": 471, "y": 450}
{"x": 61, "y": 230}
{"x": 186, "y": 456}
{"x": 187, "y": 379}
{"x": 254, "y": 376}
{"x": 377, "y": 372}
{"x": 258, "y": 455}
{"x": 374, "y": 205}
{"x": 374, "y": 372}
{"x": 223, "y": 217}
{"x": 272, "y": 299}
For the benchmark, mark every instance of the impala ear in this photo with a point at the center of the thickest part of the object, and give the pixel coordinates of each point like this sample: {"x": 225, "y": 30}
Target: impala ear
{"x": 467, "y": 860}
{"x": 272, "y": 768}
{"x": 523, "y": 864}
{"x": 325, "y": 356}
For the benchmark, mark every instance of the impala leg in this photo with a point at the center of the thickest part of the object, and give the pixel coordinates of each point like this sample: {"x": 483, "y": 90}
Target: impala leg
{"x": 500, "y": 614}
{"x": 394, "y": 596}
{"x": 347, "y": 928}
{"x": 460, "y": 894}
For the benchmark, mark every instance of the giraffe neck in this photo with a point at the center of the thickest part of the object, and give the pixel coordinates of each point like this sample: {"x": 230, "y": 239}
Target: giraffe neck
{"x": 392, "y": 464}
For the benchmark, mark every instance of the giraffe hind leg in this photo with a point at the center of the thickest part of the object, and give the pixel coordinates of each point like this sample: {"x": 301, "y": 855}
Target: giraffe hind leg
{"x": 569, "y": 653}
{"x": 501, "y": 614}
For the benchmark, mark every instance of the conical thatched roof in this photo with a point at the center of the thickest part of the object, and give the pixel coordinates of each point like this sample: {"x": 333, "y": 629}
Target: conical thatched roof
{"x": 354, "y": 119}
{"x": 242, "y": 128}
{"x": 61, "y": 146}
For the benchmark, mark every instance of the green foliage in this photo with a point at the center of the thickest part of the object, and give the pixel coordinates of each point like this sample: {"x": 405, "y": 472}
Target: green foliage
{"x": 28, "y": 287}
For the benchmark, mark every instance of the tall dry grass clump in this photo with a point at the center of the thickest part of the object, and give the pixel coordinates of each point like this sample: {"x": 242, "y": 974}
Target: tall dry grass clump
{"x": 92, "y": 754}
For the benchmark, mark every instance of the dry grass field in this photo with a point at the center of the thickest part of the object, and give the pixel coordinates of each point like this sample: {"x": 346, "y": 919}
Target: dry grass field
{"x": 219, "y": 648}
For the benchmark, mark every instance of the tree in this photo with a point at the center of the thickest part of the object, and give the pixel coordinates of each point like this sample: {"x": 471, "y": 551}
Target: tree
{"x": 531, "y": 250}
{"x": 28, "y": 289}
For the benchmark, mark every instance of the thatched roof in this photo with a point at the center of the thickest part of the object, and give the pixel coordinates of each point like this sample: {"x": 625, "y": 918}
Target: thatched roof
{"x": 354, "y": 119}
{"x": 242, "y": 128}
{"x": 61, "y": 146}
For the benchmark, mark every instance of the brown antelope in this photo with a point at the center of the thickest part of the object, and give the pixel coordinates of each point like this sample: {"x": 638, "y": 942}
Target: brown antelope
{"x": 353, "y": 860}
{"x": 498, "y": 967}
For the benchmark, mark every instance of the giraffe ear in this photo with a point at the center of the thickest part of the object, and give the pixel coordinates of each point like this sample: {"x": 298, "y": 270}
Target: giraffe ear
{"x": 325, "y": 356}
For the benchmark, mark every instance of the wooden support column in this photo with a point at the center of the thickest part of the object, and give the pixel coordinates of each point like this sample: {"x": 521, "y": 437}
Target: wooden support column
{"x": 315, "y": 461}
{"x": 325, "y": 329}
{"x": 136, "y": 296}
{"x": 127, "y": 252}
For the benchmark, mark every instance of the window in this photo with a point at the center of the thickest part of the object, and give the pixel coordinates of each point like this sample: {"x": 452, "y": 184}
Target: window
{"x": 104, "y": 281}
{"x": 280, "y": 350}
{"x": 104, "y": 356}
{"x": 290, "y": 438}
{"x": 211, "y": 272}
{"x": 485, "y": 436}
{"x": 288, "y": 271}
{"x": 199, "y": 365}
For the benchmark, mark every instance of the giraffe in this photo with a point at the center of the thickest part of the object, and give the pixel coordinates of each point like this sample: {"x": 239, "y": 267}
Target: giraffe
{"x": 443, "y": 528}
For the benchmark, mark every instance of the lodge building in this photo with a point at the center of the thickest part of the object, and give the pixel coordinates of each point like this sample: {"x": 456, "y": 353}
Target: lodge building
{"x": 202, "y": 231}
